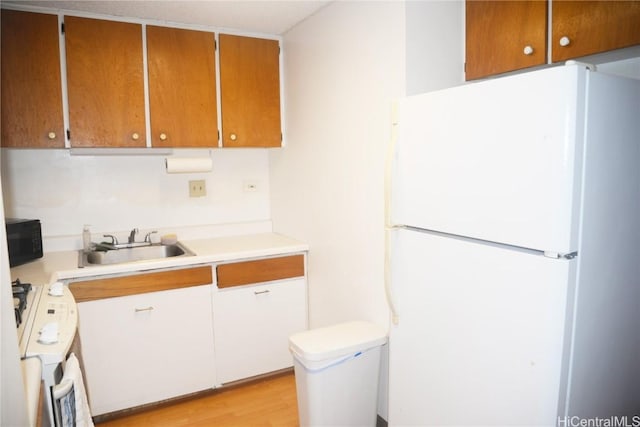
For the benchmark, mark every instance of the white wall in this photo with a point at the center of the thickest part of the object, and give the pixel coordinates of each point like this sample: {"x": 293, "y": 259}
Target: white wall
{"x": 118, "y": 193}
{"x": 435, "y": 45}
{"x": 343, "y": 67}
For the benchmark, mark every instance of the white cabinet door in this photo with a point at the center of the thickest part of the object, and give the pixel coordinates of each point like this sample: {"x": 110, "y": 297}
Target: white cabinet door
{"x": 253, "y": 324}
{"x": 148, "y": 347}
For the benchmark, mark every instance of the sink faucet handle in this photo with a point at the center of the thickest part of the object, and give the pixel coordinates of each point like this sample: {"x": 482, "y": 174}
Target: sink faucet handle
{"x": 147, "y": 238}
{"x": 114, "y": 239}
{"x": 132, "y": 235}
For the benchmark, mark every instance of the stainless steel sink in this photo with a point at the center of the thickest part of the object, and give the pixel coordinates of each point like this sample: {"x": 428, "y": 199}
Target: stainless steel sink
{"x": 125, "y": 255}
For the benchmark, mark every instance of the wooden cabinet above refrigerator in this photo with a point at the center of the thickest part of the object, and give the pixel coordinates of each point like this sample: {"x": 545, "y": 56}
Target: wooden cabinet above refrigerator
{"x": 503, "y": 36}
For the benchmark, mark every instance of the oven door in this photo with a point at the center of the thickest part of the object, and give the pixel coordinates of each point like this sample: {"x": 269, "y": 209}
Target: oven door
{"x": 69, "y": 399}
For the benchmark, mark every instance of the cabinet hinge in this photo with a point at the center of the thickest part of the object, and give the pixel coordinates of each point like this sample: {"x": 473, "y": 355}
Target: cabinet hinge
{"x": 62, "y": 28}
{"x": 68, "y": 135}
{"x": 215, "y": 45}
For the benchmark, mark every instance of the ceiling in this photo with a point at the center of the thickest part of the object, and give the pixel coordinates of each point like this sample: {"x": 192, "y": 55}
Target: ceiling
{"x": 259, "y": 16}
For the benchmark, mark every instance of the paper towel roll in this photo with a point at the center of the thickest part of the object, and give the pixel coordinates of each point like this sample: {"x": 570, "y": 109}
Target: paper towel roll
{"x": 188, "y": 164}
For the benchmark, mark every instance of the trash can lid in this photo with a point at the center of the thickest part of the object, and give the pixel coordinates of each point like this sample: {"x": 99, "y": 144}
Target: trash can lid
{"x": 337, "y": 340}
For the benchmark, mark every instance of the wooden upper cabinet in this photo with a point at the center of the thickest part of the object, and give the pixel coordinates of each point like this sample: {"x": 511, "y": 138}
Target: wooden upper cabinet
{"x": 250, "y": 91}
{"x": 105, "y": 83}
{"x": 31, "y": 88}
{"x": 182, "y": 87}
{"x": 590, "y": 27}
{"x": 504, "y": 36}
{"x": 498, "y": 32}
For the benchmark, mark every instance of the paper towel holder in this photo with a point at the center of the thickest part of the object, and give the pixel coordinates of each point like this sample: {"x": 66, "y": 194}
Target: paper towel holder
{"x": 188, "y": 164}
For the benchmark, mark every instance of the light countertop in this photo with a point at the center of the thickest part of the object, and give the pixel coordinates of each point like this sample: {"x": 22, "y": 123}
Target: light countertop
{"x": 54, "y": 266}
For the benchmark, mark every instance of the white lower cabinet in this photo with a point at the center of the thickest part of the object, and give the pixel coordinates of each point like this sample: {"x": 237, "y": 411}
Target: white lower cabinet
{"x": 147, "y": 347}
{"x": 253, "y": 324}
{"x": 156, "y": 335}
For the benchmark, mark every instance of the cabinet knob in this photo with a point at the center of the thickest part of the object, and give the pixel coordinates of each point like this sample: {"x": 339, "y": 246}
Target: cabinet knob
{"x": 565, "y": 41}
{"x": 135, "y": 136}
{"x": 233, "y": 137}
{"x": 51, "y": 135}
{"x": 163, "y": 137}
{"x": 528, "y": 50}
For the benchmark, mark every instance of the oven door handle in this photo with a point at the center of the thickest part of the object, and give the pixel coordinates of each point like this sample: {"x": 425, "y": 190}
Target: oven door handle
{"x": 61, "y": 390}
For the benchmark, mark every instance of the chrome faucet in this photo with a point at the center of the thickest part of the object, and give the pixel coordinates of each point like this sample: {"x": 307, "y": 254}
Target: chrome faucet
{"x": 132, "y": 235}
{"x": 147, "y": 238}
{"x": 114, "y": 239}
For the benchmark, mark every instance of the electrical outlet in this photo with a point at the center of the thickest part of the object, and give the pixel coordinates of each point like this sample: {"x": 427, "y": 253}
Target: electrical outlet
{"x": 197, "y": 188}
{"x": 250, "y": 186}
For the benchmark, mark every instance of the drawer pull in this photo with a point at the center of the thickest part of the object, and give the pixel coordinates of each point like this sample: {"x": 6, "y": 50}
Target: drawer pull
{"x": 138, "y": 310}
{"x": 261, "y": 292}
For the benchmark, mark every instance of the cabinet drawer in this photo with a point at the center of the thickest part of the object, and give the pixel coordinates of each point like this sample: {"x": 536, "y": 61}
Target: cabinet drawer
{"x": 261, "y": 270}
{"x": 140, "y": 283}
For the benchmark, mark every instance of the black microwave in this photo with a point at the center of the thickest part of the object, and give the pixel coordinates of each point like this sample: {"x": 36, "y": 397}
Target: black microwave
{"x": 24, "y": 240}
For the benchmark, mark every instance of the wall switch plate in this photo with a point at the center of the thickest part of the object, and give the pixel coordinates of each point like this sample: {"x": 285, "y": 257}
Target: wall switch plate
{"x": 197, "y": 188}
{"x": 250, "y": 186}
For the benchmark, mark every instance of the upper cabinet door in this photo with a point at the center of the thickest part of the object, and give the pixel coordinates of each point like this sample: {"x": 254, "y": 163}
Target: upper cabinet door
{"x": 504, "y": 36}
{"x": 105, "y": 83}
{"x": 582, "y": 28}
{"x": 31, "y": 88}
{"x": 182, "y": 87}
{"x": 250, "y": 91}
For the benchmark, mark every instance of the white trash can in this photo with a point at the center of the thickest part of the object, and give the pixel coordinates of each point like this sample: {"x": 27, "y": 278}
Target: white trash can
{"x": 337, "y": 369}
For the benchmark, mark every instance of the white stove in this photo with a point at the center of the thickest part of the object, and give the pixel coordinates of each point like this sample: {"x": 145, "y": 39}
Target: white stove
{"x": 25, "y": 298}
{"x": 46, "y": 327}
{"x": 54, "y": 325}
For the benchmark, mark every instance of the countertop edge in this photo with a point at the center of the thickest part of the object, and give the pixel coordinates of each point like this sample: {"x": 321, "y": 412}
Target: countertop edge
{"x": 62, "y": 266}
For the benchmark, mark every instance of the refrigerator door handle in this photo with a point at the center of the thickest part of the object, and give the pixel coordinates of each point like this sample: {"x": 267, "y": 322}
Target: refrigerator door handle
{"x": 391, "y": 151}
{"x": 387, "y": 277}
{"x": 388, "y": 167}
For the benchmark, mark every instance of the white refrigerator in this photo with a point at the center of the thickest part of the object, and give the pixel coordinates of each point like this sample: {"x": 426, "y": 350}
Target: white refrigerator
{"x": 513, "y": 252}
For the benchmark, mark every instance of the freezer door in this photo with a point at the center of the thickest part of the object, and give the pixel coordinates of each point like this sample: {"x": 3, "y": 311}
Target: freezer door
{"x": 480, "y": 334}
{"x": 495, "y": 160}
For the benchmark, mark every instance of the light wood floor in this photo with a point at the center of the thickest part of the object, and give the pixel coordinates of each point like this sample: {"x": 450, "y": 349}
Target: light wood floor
{"x": 267, "y": 402}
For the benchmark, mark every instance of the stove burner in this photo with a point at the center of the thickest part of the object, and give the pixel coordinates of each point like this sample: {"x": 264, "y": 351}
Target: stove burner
{"x": 20, "y": 291}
